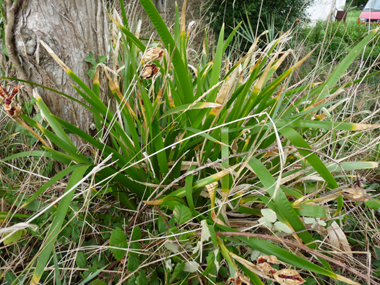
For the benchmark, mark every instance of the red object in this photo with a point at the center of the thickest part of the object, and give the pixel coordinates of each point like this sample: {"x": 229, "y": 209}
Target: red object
{"x": 371, "y": 13}
{"x": 366, "y": 17}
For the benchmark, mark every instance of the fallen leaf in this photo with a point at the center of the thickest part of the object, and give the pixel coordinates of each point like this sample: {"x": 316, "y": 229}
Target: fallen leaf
{"x": 266, "y": 269}
{"x": 148, "y": 71}
{"x": 338, "y": 239}
{"x": 271, "y": 259}
{"x": 288, "y": 277}
{"x": 153, "y": 54}
{"x": 356, "y": 194}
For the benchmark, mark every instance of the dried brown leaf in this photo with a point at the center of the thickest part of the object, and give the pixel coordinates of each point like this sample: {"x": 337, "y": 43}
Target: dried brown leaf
{"x": 148, "y": 71}
{"x": 153, "y": 54}
{"x": 266, "y": 269}
{"x": 288, "y": 277}
{"x": 356, "y": 194}
{"x": 271, "y": 259}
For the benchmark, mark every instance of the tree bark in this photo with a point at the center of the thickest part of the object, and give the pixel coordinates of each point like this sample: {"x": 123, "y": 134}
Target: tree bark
{"x": 73, "y": 29}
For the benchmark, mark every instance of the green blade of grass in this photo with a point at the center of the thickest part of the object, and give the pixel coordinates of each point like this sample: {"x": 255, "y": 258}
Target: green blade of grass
{"x": 57, "y": 276}
{"x": 297, "y": 140}
{"x": 279, "y": 199}
{"x": 51, "y": 182}
{"x": 34, "y": 153}
{"x": 206, "y": 136}
{"x": 189, "y": 190}
{"x": 52, "y": 122}
{"x": 217, "y": 64}
{"x": 225, "y": 163}
{"x": 56, "y": 225}
{"x": 338, "y": 72}
{"x": 326, "y": 125}
{"x": 93, "y": 275}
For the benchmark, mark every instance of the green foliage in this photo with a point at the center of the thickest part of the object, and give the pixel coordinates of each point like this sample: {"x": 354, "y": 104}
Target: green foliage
{"x": 181, "y": 214}
{"x": 81, "y": 260}
{"x": 14, "y": 237}
{"x": 334, "y": 40}
{"x": 90, "y": 59}
{"x": 193, "y": 144}
{"x": 278, "y": 14}
{"x": 118, "y": 239}
{"x": 356, "y": 3}
{"x": 373, "y": 204}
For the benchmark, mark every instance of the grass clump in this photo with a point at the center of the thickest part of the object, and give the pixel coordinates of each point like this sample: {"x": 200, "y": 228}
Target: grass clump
{"x": 195, "y": 171}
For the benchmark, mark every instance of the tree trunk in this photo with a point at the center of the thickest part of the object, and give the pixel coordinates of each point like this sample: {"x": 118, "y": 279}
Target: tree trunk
{"x": 73, "y": 29}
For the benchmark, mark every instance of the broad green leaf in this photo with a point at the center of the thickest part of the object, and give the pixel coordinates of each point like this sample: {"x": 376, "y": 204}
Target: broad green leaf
{"x": 230, "y": 37}
{"x": 171, "y": 246}
{"x": 181, "y": 71}
{"x": 177, "y": 270}
{"x": 215, "y": 73}
{"x": 373, "y": 204}
{"x": 326, "y": 125}
{"x": 181, "y": 214}
{"x": 210, "y": 263}
{"x": 34, "y": 153}
{"x": 52, "y": 122}
{"x": 213, "y": 235}
{"x": 141, "y": 278}
{"x": 133, "y": 261}
{"x": 282, "y": 204}
{"x": 311, "y": 211}
{"x": 75, "y": 234}
{"x": 81, "y": 260}
{"x": 189, "y": 190}
{"x": 352, "y": 165}
{"x": 124, "y": 14}
{"x": 14, "y": 237}
{"x": 283, "y": 255}
{"x": 90, "y": 58}
{"x": 57, "y": 275}
{"x": 10, "y": 277}
{"x": 118, "y": 239}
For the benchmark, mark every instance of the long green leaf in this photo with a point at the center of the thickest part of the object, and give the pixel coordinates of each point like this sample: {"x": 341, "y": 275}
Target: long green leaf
{"x": 51, "y": 182}
{"x": 56, "y": 225}
{"x": 297, "y": 140}
{"x": 52, "y": 122}
{"x": 279, "y": 199}
{"x": 338, "y": 72}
